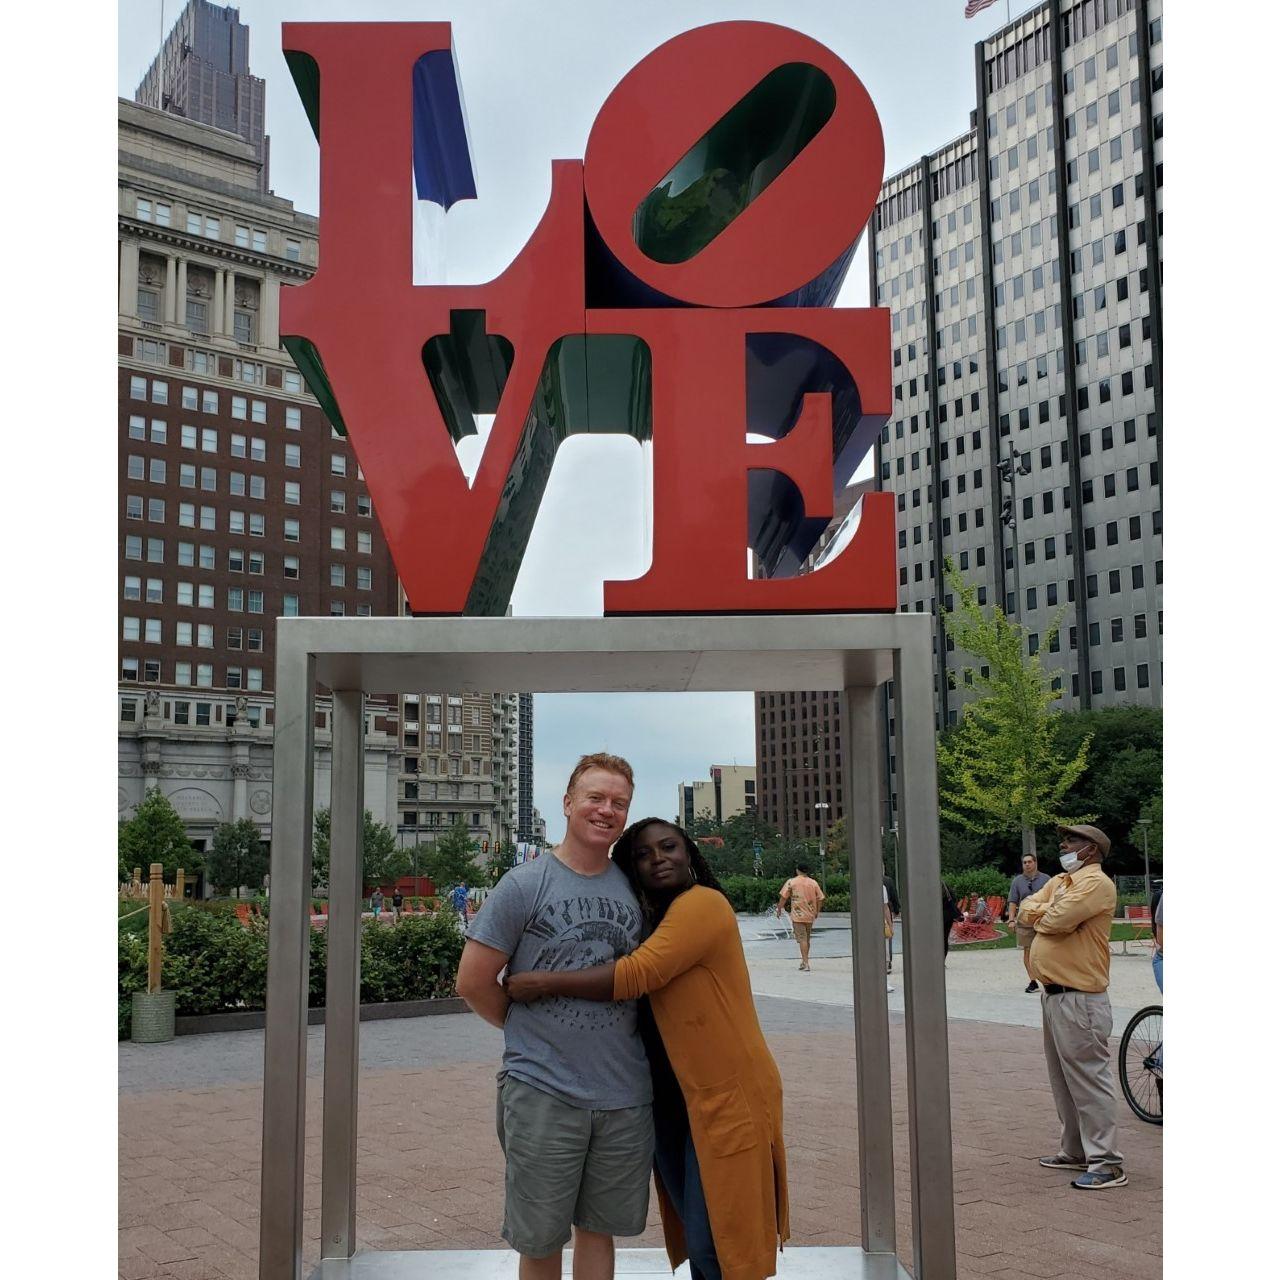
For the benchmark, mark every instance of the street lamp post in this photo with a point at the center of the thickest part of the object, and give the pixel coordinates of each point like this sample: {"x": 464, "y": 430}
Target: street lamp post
{"x": 1144, "y": 823}
{"x": 822, "y": 806}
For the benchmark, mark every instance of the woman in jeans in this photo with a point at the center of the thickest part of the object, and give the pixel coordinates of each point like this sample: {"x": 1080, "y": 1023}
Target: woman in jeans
{"x": 720, "y": 1164}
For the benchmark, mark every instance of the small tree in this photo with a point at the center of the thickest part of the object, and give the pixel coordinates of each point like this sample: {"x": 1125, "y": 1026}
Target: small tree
{"x": 382, "y": 863}
{"x": 452, "y": 858}
{"x": 1001, "y": 769}
{"x": 155, "y": 834}
{"x": 237, "y": 857}
{"x": 501, "y": 859}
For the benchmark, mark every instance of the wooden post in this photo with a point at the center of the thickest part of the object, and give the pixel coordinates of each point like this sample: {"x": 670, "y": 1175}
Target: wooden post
{"x": 178, "y": 886}
{"x": 155, "y": 918}
{"x": 137, "y": 877}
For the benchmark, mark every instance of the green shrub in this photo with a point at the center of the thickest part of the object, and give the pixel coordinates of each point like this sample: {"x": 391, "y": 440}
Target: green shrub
{"x": 417, "y": 959}
{"x": 985, "y": 881}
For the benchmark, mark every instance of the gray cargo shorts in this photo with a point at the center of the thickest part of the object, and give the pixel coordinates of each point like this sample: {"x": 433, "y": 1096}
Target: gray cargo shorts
{"x": 570, "y": 1167}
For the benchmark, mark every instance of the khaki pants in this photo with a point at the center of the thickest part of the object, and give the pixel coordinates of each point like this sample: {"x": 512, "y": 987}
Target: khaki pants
{"x": 1077, "y": 1025}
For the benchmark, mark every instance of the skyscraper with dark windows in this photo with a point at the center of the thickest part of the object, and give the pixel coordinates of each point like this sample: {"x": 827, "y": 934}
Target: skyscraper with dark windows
{"x": 1022, "y": 266}
{"x": 202, "y": 73}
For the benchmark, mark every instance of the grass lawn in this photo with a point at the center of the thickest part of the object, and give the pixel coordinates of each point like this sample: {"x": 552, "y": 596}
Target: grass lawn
{"x": 1121, "y": 931}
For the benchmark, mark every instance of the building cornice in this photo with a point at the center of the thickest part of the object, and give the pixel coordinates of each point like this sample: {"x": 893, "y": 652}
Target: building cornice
{"x": 198, "y": 246}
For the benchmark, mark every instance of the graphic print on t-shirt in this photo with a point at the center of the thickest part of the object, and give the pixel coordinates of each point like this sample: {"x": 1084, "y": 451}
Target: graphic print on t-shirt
{"x": 581, "y": 932}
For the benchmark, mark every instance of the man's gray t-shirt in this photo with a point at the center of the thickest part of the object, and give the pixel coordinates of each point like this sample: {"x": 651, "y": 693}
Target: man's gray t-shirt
{"x": 544, "y": 915}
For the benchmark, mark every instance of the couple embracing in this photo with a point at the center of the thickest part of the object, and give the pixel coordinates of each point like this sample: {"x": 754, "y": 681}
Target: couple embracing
{"x": 632, "y": 1046}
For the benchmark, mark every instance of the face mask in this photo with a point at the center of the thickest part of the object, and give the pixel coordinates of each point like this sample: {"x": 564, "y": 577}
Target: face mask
{"x": 1070, "y": 862}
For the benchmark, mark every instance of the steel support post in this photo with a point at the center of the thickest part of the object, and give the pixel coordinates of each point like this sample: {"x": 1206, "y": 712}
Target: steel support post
{"x": 870, "y": 1001}
{"x": 928, "y": 1077}
{"x": 284, "y": 1083}
{"x": 342, "y": 987}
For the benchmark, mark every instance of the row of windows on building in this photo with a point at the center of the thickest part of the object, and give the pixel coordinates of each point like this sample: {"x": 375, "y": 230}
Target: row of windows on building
{"x": 201, "y": 595}
{"x": 198, "y": 675}
{"x": 182, "y": 711}
{"x": 211, "y": 226}
{"x": 433, "y": 819}
{"x": 244, "y": 323}
{"x": 204, "y": 400}
{"x": 254, "y": 523}
{"x": 204, "y": 364}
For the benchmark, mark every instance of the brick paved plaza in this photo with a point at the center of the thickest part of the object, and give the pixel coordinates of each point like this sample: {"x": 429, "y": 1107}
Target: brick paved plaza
{"x": 431, "y": 1170}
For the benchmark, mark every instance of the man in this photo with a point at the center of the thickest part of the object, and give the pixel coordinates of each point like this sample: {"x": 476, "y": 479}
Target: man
{"x": 895, "y": 908}
{"x": 575, "y": 1119}
{"x": 458, "y": 896}
{"x": 1021, "y": 887}
{"x": 1071, "y": 957}
{"x": 397, "y": 903}
{"x": 806, "y": 901}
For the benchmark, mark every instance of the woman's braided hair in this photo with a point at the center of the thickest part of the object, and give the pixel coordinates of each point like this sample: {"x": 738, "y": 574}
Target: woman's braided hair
{"x": 624, "y": 857}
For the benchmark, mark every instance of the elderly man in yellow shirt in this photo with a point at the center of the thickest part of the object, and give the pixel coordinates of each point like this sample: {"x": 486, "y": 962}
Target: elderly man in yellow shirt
{"x": 1071, "y": 958}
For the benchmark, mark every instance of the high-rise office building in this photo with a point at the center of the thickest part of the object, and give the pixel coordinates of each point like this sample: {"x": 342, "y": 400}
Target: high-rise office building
{"x": 798, "y": 749}
{"x": 729, "y": 789}
{"x": 202, "y": 73}
{"x": 1022, "y": 265}
{"x": 238, "y": 502}
{"x": 524, "y": 822}
{"x": 458, "y": 765}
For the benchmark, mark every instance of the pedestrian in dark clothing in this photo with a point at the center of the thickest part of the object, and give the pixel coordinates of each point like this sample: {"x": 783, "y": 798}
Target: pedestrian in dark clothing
{"x": 895, "y": 908}
{"x": 950, "y": 914}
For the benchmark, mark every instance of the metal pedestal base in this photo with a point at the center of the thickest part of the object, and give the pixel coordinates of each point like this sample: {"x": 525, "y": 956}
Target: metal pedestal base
{"x": 814, "y": 1263}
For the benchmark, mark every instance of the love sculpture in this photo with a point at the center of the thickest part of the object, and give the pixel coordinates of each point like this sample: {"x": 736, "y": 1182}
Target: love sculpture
{"x": 678, "y": 289}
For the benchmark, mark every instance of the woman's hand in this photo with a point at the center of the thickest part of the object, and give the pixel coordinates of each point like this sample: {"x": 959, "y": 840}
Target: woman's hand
{"x": 524, "y": 987}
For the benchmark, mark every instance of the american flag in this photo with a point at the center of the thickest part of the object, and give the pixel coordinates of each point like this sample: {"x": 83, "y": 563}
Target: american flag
{"x": 976, "y": 6}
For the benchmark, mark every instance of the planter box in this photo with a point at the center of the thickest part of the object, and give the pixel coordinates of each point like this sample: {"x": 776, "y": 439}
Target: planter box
{"x": 153, "y": 1020}
{"x": 256, "y": 1019}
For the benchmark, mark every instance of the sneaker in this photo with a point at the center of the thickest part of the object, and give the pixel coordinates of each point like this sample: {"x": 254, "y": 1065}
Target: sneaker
{"x": 804, "y": 968}
{"x": 888, "y": 986}
{"x": 1033, "y": 985}
{"x": 1062, "y": 1162}
{"x": 1113, "y": 1177}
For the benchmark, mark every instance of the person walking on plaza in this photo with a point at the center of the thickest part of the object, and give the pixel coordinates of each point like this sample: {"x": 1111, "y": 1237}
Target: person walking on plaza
{"x": 895, "y": 908}
{"x": 375, "y": 902}
{"x": 1071, "y": 957}
{"x": 806, "y": 902}
{"x": 575, "y": 1115}
{"x": 397, "y": 902}
{"x": 1031, "y": 880}
{"x": 458, "y": 897}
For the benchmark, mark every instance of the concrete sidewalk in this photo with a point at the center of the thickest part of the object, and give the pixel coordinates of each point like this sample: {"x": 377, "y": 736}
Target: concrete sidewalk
{"x": 983, "y": 986}
{"x": 431, "y": 1171}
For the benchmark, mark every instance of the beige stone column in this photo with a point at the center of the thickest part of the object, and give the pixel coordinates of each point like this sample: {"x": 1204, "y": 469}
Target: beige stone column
{"x": 219, "y": 290}
{"x": 129, "y": 278}
{"x": 269, "y": 313}
{"x": 229, "y": 304}
{"x": 180, "y": 298}
{"x": 171, "y": 291}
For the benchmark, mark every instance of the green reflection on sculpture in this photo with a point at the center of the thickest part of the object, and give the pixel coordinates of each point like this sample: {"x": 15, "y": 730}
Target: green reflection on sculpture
{"x": 590, "y": 384}
{"x": 731, "y": 164}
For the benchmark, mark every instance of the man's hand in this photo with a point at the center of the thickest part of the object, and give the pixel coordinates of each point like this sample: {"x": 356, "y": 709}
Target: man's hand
{"x": 524, "y": 987}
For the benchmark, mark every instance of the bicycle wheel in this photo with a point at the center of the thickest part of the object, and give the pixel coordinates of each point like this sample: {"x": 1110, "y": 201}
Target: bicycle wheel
{"x": 1142, "y": 1064}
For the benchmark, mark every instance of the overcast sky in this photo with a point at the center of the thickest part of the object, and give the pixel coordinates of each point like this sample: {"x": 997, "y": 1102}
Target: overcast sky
{"x": 534, "y": 73}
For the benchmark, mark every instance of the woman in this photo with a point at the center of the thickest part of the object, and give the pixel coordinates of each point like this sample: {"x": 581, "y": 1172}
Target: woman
{"x": 721, "y": 1168}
